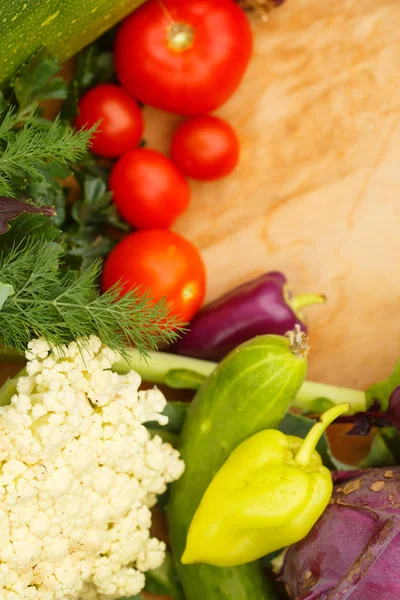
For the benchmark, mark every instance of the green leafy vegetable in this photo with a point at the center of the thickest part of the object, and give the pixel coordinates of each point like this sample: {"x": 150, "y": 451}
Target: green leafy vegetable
{"x": 36, "y": 81}
{"x": 85, "y": 232}
{"x": 384, "y": 451}
{"x": 176, "y": 413}
{"x": 31, "y": 151}
{"x": 164, "y": 580}
{"x": 37, "y": 226}
{"x": 382, "y": 390}
{"x": 63, "y": 305}
{"x": 37, "y": 155}
{"x": 49, "y": 268}
{"x": 93, "y": 66}
{"x": 5, "y": 291}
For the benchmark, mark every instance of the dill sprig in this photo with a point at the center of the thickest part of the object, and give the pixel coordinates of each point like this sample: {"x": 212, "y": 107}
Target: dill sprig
{"x": 28, "y": 150}
{"x": 63, "y": 305}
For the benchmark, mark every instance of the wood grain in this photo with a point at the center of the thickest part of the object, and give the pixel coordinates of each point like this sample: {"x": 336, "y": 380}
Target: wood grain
{"x": 317, "y": 191}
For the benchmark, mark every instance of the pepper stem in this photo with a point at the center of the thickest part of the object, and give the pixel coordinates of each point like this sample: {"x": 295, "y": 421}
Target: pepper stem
{"x": 303, "y": 300}
{"x": 303, "y": 456}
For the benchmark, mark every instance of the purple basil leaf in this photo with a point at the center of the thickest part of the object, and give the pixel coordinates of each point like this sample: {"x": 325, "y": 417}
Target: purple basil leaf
{"x": 394, "y": 404}
{"x": 10, "y": 208}
{"x": 362, "y": 425}
{"x": 374, "y": 417}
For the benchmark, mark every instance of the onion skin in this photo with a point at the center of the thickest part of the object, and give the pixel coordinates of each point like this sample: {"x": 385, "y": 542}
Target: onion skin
{"x": 353, "y": 551}
{"x": 258, "y": 307}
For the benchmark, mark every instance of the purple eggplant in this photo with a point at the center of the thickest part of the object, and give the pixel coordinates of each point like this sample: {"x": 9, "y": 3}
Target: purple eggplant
{"x": 353, "y": 551}
{"x": 260, "y": 306}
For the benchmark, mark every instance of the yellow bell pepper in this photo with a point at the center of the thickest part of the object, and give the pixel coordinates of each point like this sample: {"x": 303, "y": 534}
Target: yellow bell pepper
{"x": 267, "y": 495}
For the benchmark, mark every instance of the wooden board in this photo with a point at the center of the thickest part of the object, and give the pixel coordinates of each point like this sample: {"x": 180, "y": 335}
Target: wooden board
{"x": 317, "y": 192}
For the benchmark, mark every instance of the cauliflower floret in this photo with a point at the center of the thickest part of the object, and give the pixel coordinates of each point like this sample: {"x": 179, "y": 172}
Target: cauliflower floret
{"x": 78, "y": 475}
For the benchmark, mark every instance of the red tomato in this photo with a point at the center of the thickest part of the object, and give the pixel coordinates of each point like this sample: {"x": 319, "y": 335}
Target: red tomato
{"x": 121, "y": 126}
{"x": 183, "y": 56}
{"x": 148, "y": 189}
{"x": 205, "y": 148}
{"x": 164, "y": 263}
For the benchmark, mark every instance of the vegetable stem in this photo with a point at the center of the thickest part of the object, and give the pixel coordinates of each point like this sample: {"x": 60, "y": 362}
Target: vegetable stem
{"x": 157, "y": 366}
{"x": 303, "y": 300}
{"x": 310, "y": 391}
{"x": 303, "y": 456}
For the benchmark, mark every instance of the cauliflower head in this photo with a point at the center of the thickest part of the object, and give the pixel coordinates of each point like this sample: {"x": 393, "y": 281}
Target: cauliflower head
{"x": 79, "y": 473}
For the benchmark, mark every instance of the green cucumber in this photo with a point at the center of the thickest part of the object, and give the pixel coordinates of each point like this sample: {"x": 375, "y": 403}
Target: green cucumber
{"x": 63, "y": 27}
{"x": 250, "y": 390}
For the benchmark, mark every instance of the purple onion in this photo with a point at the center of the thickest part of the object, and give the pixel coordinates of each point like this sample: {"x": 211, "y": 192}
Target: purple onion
{"x": 353, "y": 551}
{"x": 260, "y": 306}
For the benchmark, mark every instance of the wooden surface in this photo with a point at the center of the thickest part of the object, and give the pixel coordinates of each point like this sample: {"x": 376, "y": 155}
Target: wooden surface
{"x": 317, "y": 192}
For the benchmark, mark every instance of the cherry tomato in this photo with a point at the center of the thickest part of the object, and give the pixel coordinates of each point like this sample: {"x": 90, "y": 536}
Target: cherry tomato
{"x": 183, "y": 56}
{"x": 121, "y": 126}
{"x": 149, "y": 190}
{"x": 162, "y": 262}
{"x": 205, "y": 148}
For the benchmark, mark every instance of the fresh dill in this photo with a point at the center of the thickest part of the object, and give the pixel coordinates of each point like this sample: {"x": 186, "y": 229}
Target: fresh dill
{"x": 62, "y": 304}
{"x": 28, "y": 150}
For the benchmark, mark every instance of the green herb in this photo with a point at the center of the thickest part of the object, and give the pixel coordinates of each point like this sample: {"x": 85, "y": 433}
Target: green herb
{"x": 384, "y": 451}
{"x": 62, "y": 305}
{"x": 85, "y": 230}
{"x": 5, "y": 291}
{"x": 93, "y": 66}
{"x": 49, "y": 268}
{"x": 382, "y": 390}
{"x": 31, "y": 151}
{"x": 37, "y": 80}
{"x": 37, "y": 155}
{"x": 164, "y": 580}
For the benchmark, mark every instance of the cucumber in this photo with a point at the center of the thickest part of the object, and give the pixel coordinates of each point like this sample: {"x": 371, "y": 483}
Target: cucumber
{"x": 250, "y": 390}
{"x": 62, "y": 26}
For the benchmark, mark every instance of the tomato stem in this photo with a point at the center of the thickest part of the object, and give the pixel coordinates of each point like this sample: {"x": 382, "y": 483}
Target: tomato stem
{"x": 180, "y": 37}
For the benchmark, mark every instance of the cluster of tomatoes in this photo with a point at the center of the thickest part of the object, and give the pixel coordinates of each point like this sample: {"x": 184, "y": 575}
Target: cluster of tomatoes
{"x": 187, "y": 58}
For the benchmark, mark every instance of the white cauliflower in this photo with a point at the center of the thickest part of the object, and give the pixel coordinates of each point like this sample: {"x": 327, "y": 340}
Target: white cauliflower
{"x": 79, "y": 473}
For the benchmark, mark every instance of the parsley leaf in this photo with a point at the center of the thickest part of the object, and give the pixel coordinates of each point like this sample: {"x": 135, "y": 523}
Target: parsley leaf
{"x": 93, "y": 66}
{"x": 36, "y": 81}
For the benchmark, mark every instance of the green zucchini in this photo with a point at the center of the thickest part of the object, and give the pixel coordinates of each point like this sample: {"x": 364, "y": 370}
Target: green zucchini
{"x": 63, "y": 27}
{"x": 250, "y": 390}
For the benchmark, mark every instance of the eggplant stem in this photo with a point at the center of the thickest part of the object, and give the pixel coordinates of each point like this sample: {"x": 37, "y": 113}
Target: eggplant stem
{"x": 156, "y": 366}
{"x": 303, "y": 300}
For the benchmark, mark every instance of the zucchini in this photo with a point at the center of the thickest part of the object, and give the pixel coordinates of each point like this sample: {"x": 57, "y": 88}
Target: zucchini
{"x": 250, "y": 390}
{"x": 63, "y": 27}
